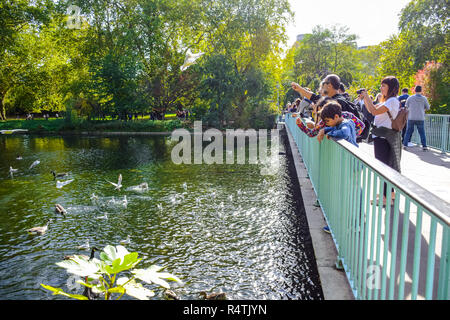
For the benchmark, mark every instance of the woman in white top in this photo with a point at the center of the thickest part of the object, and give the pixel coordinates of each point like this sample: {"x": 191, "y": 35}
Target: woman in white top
{"x": 389, "y": 90}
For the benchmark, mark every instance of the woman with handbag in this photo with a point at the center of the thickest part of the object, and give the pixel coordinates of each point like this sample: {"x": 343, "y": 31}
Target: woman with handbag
{"x": 387, "y": 141}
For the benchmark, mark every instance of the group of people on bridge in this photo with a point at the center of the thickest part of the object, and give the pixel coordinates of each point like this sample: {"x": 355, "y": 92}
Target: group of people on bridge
{"x": 331, "y": 113}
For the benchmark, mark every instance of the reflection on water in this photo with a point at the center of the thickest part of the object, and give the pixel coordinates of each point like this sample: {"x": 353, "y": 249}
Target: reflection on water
{"x": 217, "y": 227}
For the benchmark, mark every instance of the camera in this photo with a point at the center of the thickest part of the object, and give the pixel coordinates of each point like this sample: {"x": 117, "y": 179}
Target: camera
{"x": 360, "y": 91}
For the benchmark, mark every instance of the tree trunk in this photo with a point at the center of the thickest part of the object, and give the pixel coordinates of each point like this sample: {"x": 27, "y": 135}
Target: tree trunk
{"x": 2, "y": 110}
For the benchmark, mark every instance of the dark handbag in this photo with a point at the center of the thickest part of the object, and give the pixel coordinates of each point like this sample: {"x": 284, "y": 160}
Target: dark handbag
{"x": 400, "y": 121}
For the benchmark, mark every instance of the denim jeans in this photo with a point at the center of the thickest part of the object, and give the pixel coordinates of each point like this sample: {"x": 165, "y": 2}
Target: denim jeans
{"x": 410, "y": 129}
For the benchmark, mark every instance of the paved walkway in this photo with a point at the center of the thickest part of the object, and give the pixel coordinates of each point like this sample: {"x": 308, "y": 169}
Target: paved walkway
{"x": 430, "y": 169}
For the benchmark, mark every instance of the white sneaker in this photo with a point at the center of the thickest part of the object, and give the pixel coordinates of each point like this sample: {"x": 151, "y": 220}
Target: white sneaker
{"x": 410, "y": 144}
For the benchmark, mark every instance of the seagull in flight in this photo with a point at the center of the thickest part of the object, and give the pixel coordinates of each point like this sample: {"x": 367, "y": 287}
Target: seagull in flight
{"x": 190, "y": 59}
{"x": 11, "y": 170}
{"x": 34, "y": 164}
{"x": 117, "y": 185}
{"x": 60, "y": 184}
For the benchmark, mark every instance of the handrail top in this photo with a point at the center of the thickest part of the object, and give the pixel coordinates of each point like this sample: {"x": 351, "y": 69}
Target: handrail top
{"x": 422, "y": 196}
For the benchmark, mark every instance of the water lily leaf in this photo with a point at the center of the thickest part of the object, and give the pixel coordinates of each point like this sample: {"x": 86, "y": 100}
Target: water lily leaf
{"x": 134, "y": 289}
{"x": 58, "y": 291}
{"x": 151, "y": 275}
{"x": 82, "y": 267}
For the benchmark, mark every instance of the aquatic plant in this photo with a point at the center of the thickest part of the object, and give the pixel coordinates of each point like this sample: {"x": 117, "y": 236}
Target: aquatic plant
{"x": 102, "y": 276}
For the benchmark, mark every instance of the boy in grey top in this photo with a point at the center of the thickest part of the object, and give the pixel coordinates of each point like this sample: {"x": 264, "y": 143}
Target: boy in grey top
{"x": 416, "y": 104}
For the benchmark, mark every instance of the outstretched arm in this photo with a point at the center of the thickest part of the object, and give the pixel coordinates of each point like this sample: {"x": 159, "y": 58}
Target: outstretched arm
{"x": 305, "y": 93}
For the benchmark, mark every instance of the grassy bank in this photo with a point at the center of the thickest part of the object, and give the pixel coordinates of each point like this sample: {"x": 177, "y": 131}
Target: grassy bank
{"x": 61, "y": 125}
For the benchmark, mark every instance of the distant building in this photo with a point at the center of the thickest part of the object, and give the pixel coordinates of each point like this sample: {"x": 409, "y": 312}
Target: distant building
{"x": 300, "y": 37}
{"x": 362, "y": 47}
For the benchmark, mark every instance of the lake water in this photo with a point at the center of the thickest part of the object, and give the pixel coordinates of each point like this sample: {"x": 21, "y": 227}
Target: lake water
{"x": 217, "y": 227}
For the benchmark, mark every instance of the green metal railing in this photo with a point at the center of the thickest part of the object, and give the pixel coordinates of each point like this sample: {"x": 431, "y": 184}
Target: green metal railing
{"x": 393, "y": 252}
{"x": 437, "y": 132}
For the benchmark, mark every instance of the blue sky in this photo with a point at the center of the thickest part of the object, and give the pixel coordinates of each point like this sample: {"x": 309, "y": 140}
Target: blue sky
{"x": 372, "y": 20}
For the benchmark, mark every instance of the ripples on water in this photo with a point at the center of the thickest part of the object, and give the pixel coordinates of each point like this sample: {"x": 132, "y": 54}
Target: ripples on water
{"x": 219, "y": 227}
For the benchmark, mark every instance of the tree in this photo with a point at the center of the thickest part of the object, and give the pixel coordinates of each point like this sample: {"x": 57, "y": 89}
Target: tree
{"x": 427, "y": 24}
{"x": 325, "y": 51}
{"x": 16, "y": 17}
{"x": 431, "y": 78}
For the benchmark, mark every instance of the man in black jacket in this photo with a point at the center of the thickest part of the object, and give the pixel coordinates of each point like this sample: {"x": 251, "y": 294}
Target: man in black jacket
{"x": 330, "y": 87}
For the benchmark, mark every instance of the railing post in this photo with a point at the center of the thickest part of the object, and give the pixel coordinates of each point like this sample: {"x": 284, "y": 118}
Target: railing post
{"x": 444, "y": 270}
{"x": 444, "y": 134}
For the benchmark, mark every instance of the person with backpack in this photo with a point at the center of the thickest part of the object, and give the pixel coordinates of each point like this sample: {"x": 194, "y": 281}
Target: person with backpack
{"x": 330, "y": 87}
{"x": 387, "y": 141}
{"x": 402, "y": 100}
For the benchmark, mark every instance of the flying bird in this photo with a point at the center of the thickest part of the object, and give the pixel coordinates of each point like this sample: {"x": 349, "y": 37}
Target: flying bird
{"x": 34, "y": 164}
{"x": 11, "y": 170}
{"x": 60, "y": 184}
{"x": 190, "y": 59}
{"x": 117, "y": 185}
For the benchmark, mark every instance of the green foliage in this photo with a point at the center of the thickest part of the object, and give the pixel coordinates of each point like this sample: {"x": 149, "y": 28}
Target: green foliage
{"x": 424, "y": 37}
{"x": 427, "y": 23}
{"x": 126, "y": 56}
{"x": 102, "y": 275}
{"x": 324, "y": 51}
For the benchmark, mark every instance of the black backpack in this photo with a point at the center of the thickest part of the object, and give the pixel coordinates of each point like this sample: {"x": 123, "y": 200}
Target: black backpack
{"x": 352, "y": 108}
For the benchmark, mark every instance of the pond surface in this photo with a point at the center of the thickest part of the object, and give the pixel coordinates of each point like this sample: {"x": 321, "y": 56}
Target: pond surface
{"x": 217, "y": 227}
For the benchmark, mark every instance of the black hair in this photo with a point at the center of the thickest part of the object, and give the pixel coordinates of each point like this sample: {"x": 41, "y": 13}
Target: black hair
{"x": 418, "y": 89}
{"x": 405, "y": 90}
{"x": 393, "y": 85}
{"x": 331, "y": 109}
{"x": 334, "y": 80}
{"x": 342, "y": 87}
